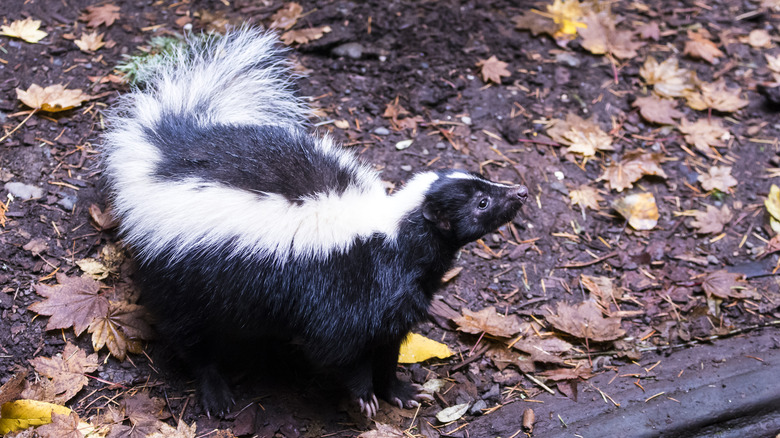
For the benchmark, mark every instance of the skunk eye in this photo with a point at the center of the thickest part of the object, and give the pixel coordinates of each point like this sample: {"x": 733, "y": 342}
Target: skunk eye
{"x": 483, "y": 203}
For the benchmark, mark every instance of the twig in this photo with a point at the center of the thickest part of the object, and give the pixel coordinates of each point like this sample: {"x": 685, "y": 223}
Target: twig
{"x": 588, "y": 263}
{"x": 19, "y": 125}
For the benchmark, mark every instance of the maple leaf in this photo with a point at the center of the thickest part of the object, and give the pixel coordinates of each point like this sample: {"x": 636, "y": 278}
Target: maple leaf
{"x": 12, "y": 388}
{"x": 773, "y": 63}
{"x": 546, "y": 350}
{"x": 723, "y": 284}
{"x": 394, "y": 111}
{"x": 704, "y": 133}
{"x": 502, "y": 357}
{"x": 89, "y": 42}
{"x": 699, "y": 46}
{"x": 600, "y": 37}
{"x": 535, "y": 22}
{"x": 649, "y": 31}
{"x": 489, "y": 321}
{"x": 634, "y": 165}
{"x": 140, "y": 408}
{"x": 712, "y": 220}
{"x": 27, "y": 30}
{"x": 53, "y": 98}
{"x": 580, "y": 135}
{"x": 667, "y": 78}
{"x": 93, "y": 268}
{"x": 121, "y": 329}
{"x": 586, "y": 197}
{"x": 74, "y": 302}
{"x": 717, "y": 96}
{"x": 303, "y": 36}
{"x": 657, "y": 110}
{"x": 718, "y": 177}
{"x": 104, "y": 14}
{"x": 585, "y": 321}
{"x": 603, "y": 290}
{"x": 286, "y": 16}
{"x": 639, "y": 209}
{"x": 566, "y": 14}
{"x": 66, "y": 371}
{"x": 492, "y": 69}
{"x": 61, "y": 426}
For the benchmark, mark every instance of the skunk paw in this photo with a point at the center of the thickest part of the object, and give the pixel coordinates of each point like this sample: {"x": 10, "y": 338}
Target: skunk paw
{"x": 369, "y": 405}
{"x": 406, "y": 395}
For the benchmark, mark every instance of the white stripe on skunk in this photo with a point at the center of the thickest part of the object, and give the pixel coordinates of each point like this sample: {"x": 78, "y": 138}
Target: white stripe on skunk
{"x": 247, "y": 227}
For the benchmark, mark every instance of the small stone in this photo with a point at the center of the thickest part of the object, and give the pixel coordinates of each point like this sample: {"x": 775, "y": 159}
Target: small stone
{"x": 466, "y": 120}
{"x": 350, "y": 50}
{"x": 67, "y": 202}
{"x": 713, "y": 260}
{"x": 441, "y": 145}
{"x": 406, "y": 168}
{"x": 477, "y": 408}
{"x": 381, "y": 131}
{"x": 24, "y": 191}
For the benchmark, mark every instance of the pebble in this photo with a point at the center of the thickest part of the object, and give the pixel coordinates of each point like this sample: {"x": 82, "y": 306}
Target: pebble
{"x": 568, "y": 59}
{"x": 3, "y": 117}
{"x": 406, "y": 168}
{"x": 477, "y": 408}
{"x": 67, "y": 202}
{"x": 381, "y": 131}
{"x": 350, "y": 50}
{"x": 441, "y": 145}
{"x": 466, "y": 120}
{"x": 24, "y": 191}
{"x": 713, "y": 260}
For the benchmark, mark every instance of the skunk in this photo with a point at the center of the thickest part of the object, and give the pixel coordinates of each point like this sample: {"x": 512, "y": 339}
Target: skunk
{"x": 246, "y": 226}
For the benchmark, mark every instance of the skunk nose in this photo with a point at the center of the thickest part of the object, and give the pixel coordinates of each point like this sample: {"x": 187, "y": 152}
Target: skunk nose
{"x": 520, "y": 192}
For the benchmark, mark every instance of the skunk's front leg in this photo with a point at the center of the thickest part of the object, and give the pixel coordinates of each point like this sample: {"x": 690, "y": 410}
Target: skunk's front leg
{"x": 357, "y": 378}
{"x": 401, "y": 394}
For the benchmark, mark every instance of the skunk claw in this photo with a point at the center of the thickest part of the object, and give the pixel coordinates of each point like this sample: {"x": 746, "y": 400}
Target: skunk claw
{"x": 370, "y": 407}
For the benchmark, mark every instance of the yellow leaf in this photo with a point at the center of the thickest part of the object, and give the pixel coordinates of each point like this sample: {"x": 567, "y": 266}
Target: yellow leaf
{"x": 566, "y": 14}
{"x": 21, "y": 414}
{"x": 27, "y": 29}
{"x": 417, "y": 348}
{"x": 53, "y": 98}
{"x": 639, "y": 209}
{"x": 772, "y": 204}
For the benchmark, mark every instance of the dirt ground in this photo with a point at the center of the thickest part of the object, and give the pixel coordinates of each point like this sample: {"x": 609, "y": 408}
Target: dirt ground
{"x": 425, "y": 54}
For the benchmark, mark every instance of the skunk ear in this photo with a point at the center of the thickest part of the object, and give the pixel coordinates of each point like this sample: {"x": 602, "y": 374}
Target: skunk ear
{"x": 431, "y": 214}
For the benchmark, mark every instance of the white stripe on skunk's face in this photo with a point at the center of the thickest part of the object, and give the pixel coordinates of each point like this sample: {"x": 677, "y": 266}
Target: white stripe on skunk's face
{"x": 457, "y": 174}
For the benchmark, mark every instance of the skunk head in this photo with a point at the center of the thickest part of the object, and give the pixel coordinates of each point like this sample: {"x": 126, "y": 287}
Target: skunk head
{"x": 465, "y": 206}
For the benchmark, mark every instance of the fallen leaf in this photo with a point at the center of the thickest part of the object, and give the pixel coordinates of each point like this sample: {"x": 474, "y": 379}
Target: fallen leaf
{"x": 723, "y": 284}
{"x": 717, "y": 96}
{"x": 452, "y": 413}
{"x": 417, "y": 348}
{"x": 529, "y": 418}
{"x": 657, "y": 110}
{"x": 560, "y": 374}
{"x": 579, "y": 135}
{"x": 66, "y": 371}
{"x": 603, "y": 290}
{"x": 712, "y": 220}
{"x": 303, "y": 36}
{"x": 639, "y": 209}
{"x": 103, "y": 219}
{"x": 699, "y": 46}
{"x": 89, "y": 42}
{"x": 141, "y": 430}
{"x": 649, "y": 31}
{"x": 545, "y": 350}
{"x": 772, "y": 204}
{"x": 773, "y": 64}
{"x": 567, "y": 15}
{"x": 27, "y": 30}
{"x": 634, "y": 165}
{"x": 36, "y": 246}
{"x": 383, "y": 431}
{"x": 667, "y": 78}
{"x": 103, "y": 14}
{"x": 121, "y": 329}
{"x": 489, "y": 321}
{"x": 94, "y": 268}
{"x": 718, "y": 178}
{"x": 492, "y": 70}
{"x": 400, "y": 118}
{"x": 759, "y": 39}
{"x": 286, "y": 16}
{"x": 586, "y": 197}
{"x": 584, "y": 321}
{"x": 53, "y": 98}
{"x": 12, "y": 388}
{"x": 181, "y": 431}
{"x": 599, "y": 36}
{"x": 704, "y": 134}
{"x": 21, "y": 414}
{"x": 502, "y": 357}
{"x": 140, "y": 408}
{"x": 74, "y": 302}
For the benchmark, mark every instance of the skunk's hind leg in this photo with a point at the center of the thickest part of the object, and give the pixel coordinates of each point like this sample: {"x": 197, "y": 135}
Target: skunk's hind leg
{"x": 213, "y": 390}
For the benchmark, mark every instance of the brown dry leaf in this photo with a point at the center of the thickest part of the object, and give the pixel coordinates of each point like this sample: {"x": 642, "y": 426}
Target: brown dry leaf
{"x": 639, "y": 209}
{"x": 723, "y": 284}
{"x": 27, "y": 30}
{"x": 586, "y": 197}
{"x": 559, "y": 374}
{"x": 667, "y": 78}
{"x": 104, "y": 220}
{"x": 649, "y": 31}
{"x": 286, "y": 16}
{"x": 66, "y": 371}
{"x": 712, "y": 220}
{"x": 545, "y": 350}
{"x": 718, "y": 178}
{"x": 580, "y": 135}
{"x": 103, "y": 14}
{"x": 394, "y": 111}
{"x": 181, "y": 431}
{"x": 53, "y": 98}
{"x": 94, "y": 268}
{"x": 141, "y": 430}
{"x": 61, "y": 426}
{"x": 657, "y": 110}
{"x": 634, "y": 165}
{"x": 140, "y": 408}
{"x": 303, "y": 36}
{"x": 601, "y": 37}
{"x": 773, "y": 64}
{"x": 12, "y": 388}
{"x": 759, "y": 39}
{"x": 36, "y": 246}
{"x": 699, "y": 46}
{"x": 717, "y": 96}
{"x": 383, "y": 431}
{"x": 121, "y": 329}
{"x": 89, "y": 42}
{"x": 215, "y": 21}
{"x": 489, "y": 321}
{"x": 75, "y": 302}
{"x": 584, "y": 321}
{"x": 603, "y": 290}
{"x": 502, "y": 357}
{"x": 492, "y": 70}
{"x": 704, "y": 134}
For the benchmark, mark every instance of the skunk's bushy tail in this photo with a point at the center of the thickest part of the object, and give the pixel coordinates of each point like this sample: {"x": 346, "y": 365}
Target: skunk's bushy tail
{"x": 242, "y": 78}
